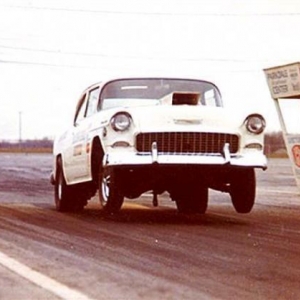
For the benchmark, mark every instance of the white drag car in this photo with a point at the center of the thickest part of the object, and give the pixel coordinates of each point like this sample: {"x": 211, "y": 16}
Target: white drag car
{"x": 137, "y": 135}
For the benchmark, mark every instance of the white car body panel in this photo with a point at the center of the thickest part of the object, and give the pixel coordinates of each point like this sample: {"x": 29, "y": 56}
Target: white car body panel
{"x": 75, "y": 145}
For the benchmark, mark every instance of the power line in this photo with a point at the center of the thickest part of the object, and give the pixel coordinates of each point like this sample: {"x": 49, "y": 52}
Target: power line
{"x": 15, "y": 62}
{"x": 136, "y": 57}
{"x": 18, "y": 62}
{"x": 143, "y": 13}
{"x": 58, "y": 51}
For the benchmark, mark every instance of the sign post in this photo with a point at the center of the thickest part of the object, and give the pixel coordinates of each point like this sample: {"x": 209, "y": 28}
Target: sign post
{"x": 284, "y": 86}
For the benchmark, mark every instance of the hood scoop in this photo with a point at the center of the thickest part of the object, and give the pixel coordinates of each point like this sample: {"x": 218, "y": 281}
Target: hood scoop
{"x": 182, "y": 98}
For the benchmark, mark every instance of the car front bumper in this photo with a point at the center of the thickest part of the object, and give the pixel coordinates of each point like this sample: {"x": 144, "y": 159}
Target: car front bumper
{"x": 253, "y": 159}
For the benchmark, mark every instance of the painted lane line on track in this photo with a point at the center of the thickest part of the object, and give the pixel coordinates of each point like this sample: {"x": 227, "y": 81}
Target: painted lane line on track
{"x": 41, "y": 280}
{"x": 278, "y": 191}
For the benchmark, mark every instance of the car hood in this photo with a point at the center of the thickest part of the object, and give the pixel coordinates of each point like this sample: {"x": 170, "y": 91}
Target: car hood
{"x": 185, "y": 118}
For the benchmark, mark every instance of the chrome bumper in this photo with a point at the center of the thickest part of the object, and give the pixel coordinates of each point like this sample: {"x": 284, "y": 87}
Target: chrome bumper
{"x": 255, "y": 159}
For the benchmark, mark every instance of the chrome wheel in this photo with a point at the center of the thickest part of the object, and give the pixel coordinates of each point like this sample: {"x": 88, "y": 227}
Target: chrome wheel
{"x": 105, "y": 188}
{"x": 110, "y": 197}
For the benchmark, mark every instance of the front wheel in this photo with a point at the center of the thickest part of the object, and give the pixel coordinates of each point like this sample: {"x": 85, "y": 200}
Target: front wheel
{"x": 110, "y": 198}
{"x": 193, "y": 201}
{"x": 242, "y": 190}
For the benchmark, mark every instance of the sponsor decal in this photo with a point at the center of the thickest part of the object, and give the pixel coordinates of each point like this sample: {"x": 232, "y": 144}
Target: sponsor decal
{"x": 88, "y": 148}
{"x": 293, "y": 139}
{"x": 77, "y": 150}
{"x": 296, "y": 155}
{"x": 78, "y": 137}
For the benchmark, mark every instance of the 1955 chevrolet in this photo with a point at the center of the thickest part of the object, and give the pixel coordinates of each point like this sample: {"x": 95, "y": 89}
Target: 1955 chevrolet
{"x": 159, "y": 135}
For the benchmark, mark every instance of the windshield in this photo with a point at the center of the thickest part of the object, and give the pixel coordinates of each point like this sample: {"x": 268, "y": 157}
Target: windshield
{"x": 143, "y": 92}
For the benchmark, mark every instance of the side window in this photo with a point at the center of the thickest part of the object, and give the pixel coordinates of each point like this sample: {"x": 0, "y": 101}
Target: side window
{"x": 92, "y": 102}
{"x": 81, "y": 109}
{"x": 209, "y": 98}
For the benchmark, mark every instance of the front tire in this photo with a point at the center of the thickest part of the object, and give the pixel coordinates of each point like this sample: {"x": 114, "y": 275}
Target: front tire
{"x": 111, "y": 199}
{"x": 193, "y": 201}
{"x": 242, "y": 190}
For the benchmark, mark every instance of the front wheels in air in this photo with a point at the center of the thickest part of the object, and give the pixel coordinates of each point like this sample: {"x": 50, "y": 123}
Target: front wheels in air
{"x": 110, "y": 197}
{"x": 193, "y": 200}
{"x": 242, "y": 189}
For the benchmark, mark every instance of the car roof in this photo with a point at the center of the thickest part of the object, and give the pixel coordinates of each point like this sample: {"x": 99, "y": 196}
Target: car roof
{"x": 108, "y": 80}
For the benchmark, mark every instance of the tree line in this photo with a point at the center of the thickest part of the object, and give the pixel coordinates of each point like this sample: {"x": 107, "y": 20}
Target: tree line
{"x": 274, "y": 144}
{"x": 36, "y": 145}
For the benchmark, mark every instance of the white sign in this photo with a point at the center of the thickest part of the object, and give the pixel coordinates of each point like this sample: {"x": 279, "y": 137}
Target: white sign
{"x": 284, "y": 81}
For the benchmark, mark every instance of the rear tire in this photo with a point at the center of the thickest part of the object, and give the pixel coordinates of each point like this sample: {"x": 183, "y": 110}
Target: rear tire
{"x": 111, "y": 199}
{"x": 67, "y": 198}
{"x": 62, "y": 193}
{"x": 242, "y": 190}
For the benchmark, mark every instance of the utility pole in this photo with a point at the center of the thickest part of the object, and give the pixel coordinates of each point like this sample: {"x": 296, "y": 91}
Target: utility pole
{"x": 20, "y": 128}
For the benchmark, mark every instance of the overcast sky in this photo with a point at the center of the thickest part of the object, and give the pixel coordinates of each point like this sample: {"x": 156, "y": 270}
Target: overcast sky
{"x": 50, "y": 50}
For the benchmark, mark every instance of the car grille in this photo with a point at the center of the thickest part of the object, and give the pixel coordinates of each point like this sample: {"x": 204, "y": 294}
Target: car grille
{"x": 186, "y": 142}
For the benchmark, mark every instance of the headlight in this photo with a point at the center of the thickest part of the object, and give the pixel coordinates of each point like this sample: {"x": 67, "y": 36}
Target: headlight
{"x": 120, "y": 121}
{"x": 255, "y": 123}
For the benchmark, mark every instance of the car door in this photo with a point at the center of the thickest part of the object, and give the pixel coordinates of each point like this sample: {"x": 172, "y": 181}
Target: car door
{"x": 75, "y": 165}
{"x": 89, "y": 123}
{"x": 78, "y": 164}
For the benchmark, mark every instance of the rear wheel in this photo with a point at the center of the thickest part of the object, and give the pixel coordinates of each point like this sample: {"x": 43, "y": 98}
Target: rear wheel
{"x": 67, "y": 198}
{"x": 242, "y": 190}
{"x": 62, "y": 194}
{"x": 80, "y": 198}
{"x": 111, "y": 199}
